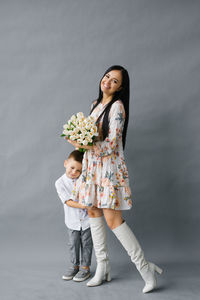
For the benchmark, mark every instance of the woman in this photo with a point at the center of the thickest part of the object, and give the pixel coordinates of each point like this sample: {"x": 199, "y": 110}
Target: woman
{"x": 104, "y": 184}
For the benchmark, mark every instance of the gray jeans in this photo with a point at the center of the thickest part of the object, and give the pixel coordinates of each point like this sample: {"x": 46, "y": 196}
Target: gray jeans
{"x": 80, "y": 242}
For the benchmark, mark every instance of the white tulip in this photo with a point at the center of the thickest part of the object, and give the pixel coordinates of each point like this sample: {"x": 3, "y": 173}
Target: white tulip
{"x": 79, "y": 141}
{"x": 73, "y": 137}
{"x": 80, "y": 116}
{"x": 88, "y": 126}
{"x": 85, "y": 142}
{"x": 73, "y": 118}
{"x": 84, "y": 122}
{"x": 84, "y": 132}
{"x": 87, "y": 138}
{"x": 65, "y": 132}
{"x": 82, "y": 136}
{"x": 70, "y": 132}
{"x": 89, "y": 135}
{"x": 76, "y": 130}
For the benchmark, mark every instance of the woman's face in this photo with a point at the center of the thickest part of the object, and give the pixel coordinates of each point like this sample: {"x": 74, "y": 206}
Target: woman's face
{"x": 111, "y": 82}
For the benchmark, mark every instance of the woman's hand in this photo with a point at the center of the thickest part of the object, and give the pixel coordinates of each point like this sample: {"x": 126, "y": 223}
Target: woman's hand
{"x": 74, "y": 143}
{"x": 77, "y": 145}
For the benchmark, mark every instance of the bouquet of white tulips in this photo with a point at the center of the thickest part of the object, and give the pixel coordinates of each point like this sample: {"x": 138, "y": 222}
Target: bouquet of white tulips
{"x": 81, "y": 129}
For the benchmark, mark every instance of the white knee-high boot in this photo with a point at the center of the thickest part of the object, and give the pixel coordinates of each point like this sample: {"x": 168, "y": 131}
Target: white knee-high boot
{"x": 132, "y": 246}
{"x": 98, "y": 232}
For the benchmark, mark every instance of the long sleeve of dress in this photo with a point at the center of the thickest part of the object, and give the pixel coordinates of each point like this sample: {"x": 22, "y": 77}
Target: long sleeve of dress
{"x": 116, "y": 125}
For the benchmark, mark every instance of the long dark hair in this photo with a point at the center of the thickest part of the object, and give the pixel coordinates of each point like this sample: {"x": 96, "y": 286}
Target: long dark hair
{"x": 122, "y": 94}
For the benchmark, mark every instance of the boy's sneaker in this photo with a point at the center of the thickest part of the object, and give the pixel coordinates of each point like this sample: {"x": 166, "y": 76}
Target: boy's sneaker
{"x": 82, "y": 275}
{"x": 70, "y": 273}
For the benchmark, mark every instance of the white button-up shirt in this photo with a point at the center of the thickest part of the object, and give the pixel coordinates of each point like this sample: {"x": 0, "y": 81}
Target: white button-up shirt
{"x": 75, "y": 218}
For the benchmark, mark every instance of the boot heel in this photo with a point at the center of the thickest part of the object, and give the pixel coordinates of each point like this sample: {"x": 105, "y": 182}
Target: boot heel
{"x": 108, "y": 277}
{"x": 158, "y": 270}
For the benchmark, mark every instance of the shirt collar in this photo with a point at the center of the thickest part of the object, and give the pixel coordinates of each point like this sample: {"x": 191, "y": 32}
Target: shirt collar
{"x": 67, "y": 179}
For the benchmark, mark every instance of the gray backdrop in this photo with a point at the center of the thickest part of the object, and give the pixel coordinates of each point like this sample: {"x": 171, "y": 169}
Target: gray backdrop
{"x": 52, "y": 56}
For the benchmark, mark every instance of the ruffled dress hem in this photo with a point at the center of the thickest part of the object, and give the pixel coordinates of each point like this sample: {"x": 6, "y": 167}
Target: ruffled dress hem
{"x": 108, "y": 196}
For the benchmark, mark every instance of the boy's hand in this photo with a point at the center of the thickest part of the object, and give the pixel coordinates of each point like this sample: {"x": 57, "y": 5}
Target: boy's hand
{"x": 84, "y": 206}
{"x": 91, "y": 207}
{"x": 88, "y": 207}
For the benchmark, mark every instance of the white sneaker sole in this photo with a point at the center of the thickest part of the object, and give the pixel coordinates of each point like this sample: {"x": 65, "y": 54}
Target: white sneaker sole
{"x": 67, "y": 278}
{"x": 81, "y": 279}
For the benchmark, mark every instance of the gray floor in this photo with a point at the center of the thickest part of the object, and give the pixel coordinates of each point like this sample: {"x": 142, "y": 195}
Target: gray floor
{"x": 26, "y": 276}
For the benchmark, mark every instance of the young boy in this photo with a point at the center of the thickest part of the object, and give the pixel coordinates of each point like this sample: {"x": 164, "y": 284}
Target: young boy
{"x": 76, "y": 219}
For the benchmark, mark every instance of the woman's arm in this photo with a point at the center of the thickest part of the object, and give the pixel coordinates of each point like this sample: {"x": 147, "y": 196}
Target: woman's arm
{"x": 116, "y": 125}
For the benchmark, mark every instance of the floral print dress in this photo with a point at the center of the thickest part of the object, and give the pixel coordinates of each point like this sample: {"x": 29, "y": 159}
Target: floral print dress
{"x": 104, "y": 181}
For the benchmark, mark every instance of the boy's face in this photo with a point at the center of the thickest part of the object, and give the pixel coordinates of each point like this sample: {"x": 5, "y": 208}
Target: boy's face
{"x": 73, "y": 168}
